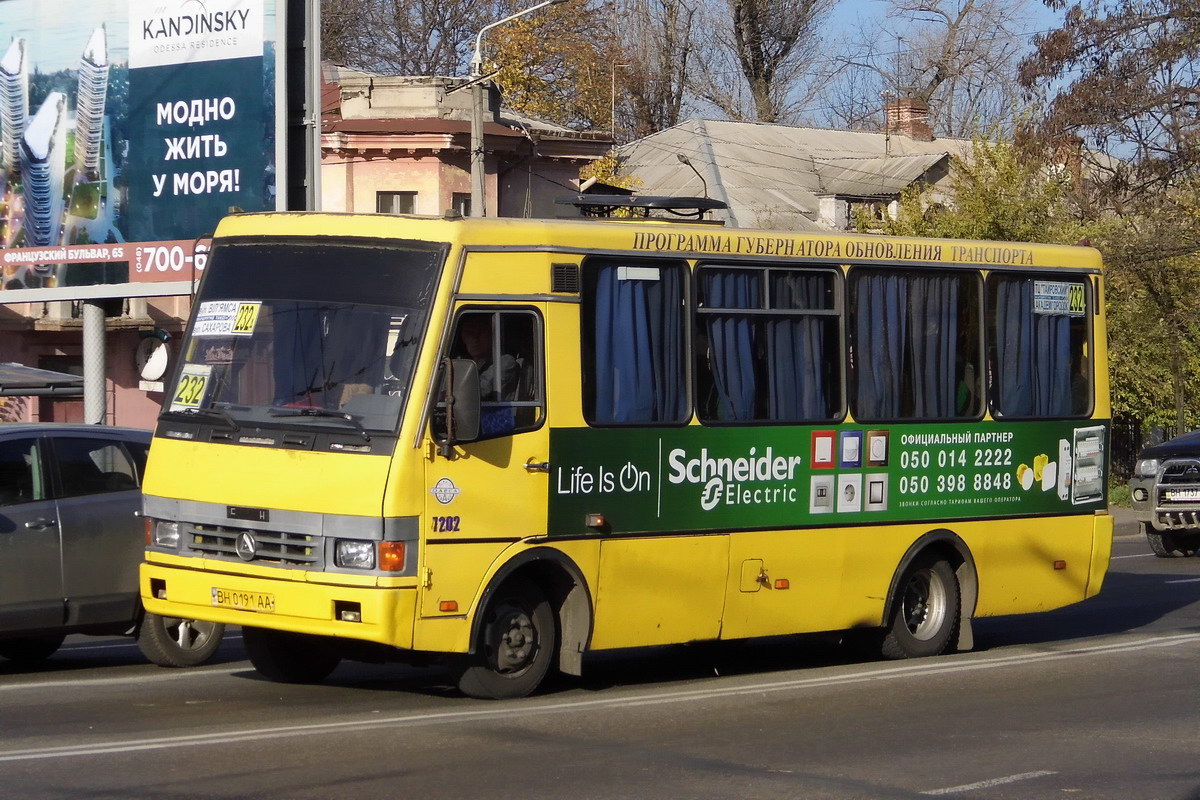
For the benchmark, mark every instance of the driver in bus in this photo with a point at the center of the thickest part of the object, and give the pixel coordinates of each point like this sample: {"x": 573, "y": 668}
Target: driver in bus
{"x": 475, "y": 333}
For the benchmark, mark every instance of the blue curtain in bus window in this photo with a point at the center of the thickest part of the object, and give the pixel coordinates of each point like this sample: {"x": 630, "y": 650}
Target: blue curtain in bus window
{"x": 933, "y": 344}
{"x": 1033, "y": 354}
{"x": 731, "y": 339}
{"x": 639, "y": 347}
{"x": 799, "y": 389}
{"x": 880, "y": 331}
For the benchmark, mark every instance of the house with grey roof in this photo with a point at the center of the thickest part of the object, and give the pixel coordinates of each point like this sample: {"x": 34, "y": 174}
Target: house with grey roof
{"x": 795, "y": 178}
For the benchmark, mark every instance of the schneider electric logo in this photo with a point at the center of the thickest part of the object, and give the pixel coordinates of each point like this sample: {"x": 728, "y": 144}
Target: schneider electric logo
{"x": 724, "y": 478}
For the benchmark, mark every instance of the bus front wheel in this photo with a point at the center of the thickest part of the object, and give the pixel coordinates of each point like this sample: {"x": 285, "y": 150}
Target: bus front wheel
{"x": 925, "y": 610}
{"x": 289, "y": 657}
{"x": 516, "y": 646}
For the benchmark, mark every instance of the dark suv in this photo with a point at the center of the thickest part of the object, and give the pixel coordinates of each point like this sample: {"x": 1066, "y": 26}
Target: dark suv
{"x": 71, "y": 540}
{"x": 1165, "y": 493}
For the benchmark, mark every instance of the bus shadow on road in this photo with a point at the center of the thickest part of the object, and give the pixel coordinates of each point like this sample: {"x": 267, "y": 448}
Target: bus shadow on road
{"x": 1127, "y": 602}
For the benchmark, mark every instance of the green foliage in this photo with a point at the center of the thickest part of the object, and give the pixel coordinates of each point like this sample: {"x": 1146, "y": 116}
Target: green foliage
{"x": 555, "y": 65}
{"x": 1118, "y": 495}
{"x": 608, "y": 170}
{"x": 998, "y": 194}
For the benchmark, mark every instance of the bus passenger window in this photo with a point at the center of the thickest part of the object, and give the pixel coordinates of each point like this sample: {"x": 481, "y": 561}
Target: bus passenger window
{"x": 507, "y": 348}
{"x": 915, "y": 345}
{"x": 634, "y": 342}
{"x": 768, "y": 346}
{"x": 1038, "y": 346}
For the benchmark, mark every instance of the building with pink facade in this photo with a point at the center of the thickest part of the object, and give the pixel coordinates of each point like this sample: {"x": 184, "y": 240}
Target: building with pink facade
{"x": 389, "y": 145}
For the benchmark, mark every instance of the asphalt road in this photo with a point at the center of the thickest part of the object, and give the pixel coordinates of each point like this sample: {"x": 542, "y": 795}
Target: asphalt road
{"x": 1099, "y": 700}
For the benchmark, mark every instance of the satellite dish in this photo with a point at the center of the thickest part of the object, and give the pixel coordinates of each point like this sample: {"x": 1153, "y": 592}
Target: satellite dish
{"x": 152, "y": 357}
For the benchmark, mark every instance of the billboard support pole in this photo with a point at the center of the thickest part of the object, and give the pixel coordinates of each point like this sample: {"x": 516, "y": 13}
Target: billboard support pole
{"x": 94, "y": 411}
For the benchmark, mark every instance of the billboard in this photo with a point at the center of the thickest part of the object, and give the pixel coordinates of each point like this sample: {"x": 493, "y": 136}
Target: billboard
{"x": 128, "y": 128}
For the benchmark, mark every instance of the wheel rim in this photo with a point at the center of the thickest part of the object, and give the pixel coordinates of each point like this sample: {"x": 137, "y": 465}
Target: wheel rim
{"x": 514, "y": 640}
{"x": 924, "y": 604}
{"x": 188, "y": 634}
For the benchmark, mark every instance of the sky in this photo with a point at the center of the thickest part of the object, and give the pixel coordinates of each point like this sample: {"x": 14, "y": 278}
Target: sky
{"x": 850, "y": 14}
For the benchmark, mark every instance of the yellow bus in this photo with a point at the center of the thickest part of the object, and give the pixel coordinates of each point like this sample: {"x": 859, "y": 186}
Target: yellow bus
{"x": 506, "y": 443}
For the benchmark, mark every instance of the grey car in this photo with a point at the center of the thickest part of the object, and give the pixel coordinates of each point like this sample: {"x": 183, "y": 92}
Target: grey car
{"x": 71, "y": 540}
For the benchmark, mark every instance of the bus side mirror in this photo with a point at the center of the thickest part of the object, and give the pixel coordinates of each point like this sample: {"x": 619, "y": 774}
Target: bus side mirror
{"x": 461, "y": 392}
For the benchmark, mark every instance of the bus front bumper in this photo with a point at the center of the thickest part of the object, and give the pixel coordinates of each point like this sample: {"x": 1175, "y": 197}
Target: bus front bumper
{"x": 385, "y": 614}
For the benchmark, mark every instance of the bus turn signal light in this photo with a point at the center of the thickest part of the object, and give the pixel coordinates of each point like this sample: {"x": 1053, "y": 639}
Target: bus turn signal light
{"x": 782, "y": 583}
{"x": 391, "y": 556}
{"x": 1060, "y": 565}
{"x": 448, "y": 605}
{"x": 149, "y": 529}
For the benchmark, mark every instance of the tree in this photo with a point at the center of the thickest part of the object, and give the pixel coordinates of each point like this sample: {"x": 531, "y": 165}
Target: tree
{"x": 656, "y": 52}
{"x": 555, "y": 64}
{"x": 404, "y": 37}
{"x": 754, "y": 63}
{"x": 1131, "y": 76}
{"x": 960, "y": 58}
{"x": 999, "y": 194}
{"x": 1130, "y": 90}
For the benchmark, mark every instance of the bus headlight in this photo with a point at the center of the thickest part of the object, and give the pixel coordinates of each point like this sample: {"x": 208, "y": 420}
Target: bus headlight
{"x": 356, "y": 555}
{"x": 166, "y": 534}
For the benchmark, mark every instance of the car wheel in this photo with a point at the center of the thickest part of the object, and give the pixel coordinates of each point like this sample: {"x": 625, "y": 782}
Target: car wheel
{"x": 925, "y": 610}
{"x": 178, "y": 642}
{"x": 1169, "y": 545}
{"x": 289, "y": 657}
{"x": 516, "y": 646}
{"x": 30, "y": 650}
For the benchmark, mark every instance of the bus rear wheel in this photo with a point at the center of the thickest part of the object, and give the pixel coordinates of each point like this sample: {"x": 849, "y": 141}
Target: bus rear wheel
{"x": 516, "y": 646}
{"x": 925, "y": 610}
{"x": 289, "y": 657}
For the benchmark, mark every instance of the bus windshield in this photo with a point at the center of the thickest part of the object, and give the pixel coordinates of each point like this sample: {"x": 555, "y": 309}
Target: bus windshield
{"x": 307, "y": 332}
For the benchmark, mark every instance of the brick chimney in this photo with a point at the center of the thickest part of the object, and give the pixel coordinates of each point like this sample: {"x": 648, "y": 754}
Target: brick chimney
{"x": 909, "y": 116}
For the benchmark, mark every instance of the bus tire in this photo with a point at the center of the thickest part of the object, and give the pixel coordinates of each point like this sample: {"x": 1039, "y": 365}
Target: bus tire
{"x": 516, "y": 646}
{"x": 925, "y": 610}
{"x": 31, "y": 649}
{"x": 177, "y": 642}
{"x": 286, "y": 657}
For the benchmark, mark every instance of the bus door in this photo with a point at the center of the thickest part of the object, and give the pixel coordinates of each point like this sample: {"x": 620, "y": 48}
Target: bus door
{"x": 492, "y": 491}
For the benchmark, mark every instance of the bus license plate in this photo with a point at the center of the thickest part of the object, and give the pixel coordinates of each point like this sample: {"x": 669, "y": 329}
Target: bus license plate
{"x": 244, "y": 601}
{"x": 1184, "y": 495}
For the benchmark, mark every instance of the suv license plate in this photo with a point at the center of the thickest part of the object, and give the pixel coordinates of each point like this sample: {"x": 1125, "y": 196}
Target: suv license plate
{"x": 1184, "y": 495}
{"x": 244, "y": 601}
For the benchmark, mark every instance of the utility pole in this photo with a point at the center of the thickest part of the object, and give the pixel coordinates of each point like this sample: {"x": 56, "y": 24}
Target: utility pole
{"x": 478, "y": 174}
{"x": 612, "y": 128}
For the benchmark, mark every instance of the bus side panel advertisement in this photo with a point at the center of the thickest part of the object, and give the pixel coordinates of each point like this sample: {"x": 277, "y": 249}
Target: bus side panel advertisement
{"x": 128, "y": 128}
{"x": 696, "y": 478}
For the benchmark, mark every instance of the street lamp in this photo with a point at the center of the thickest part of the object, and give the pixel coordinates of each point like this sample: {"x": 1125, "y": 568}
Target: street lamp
{"x": 477, "y": 169}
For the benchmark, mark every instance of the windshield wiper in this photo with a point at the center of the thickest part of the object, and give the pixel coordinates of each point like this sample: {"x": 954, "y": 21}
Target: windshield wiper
{"x": 322, "y": 412}
{"x": 211, "y": 413}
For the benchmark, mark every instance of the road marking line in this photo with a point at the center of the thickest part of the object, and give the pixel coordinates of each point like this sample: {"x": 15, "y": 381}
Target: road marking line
{"x": 1184, "y": 580}
{"x": 967, "y": 787}
{"x": 1139, "y": 555}
{"x": 508, "y": 711}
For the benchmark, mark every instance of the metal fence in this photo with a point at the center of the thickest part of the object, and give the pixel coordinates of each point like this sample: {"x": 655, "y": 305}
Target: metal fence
{"x": 1130, "y": 437}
